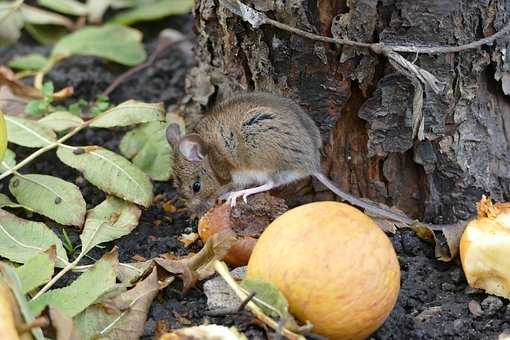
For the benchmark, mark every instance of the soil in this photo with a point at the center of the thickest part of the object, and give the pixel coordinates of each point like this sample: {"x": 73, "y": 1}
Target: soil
{"x": 434, "y": 296}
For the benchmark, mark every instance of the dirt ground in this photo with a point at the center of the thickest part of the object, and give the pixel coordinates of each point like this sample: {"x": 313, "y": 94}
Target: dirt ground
{"x": 434, "y": 296}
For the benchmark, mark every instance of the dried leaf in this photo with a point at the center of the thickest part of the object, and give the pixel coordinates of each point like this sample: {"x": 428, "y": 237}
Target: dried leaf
{"x": 7, "y": 322}
{"x": 188, "y": 239}
{"x": 130, "y": 272}
{"x": 128, "y": 312}
{"x": 8, "y": 78}
{"x": 12, "y": 280}
{"x": 61, "y": 326}
{"x": 446, "y": 237}
{"x": 199, "y": 266}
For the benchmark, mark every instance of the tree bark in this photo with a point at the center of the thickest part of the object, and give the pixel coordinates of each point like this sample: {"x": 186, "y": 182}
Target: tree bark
{"x": 364, "y": 106}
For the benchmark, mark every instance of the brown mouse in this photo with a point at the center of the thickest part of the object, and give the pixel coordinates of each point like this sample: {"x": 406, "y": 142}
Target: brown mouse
{"x": 251, "y": 143}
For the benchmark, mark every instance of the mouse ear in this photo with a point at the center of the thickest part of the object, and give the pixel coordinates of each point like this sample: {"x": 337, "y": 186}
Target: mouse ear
{"x": 192, "y": 147}
{"x": 173, "y": 134}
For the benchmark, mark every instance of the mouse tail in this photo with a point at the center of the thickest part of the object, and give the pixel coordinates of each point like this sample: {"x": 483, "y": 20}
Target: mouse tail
{"x": 371, "y": 208}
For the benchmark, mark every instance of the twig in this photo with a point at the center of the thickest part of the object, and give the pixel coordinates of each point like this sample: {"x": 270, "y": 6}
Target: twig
{"x": 222, "y": 270}
{"x": 245, "y": 301}
{"x": 417, "y": 75}
{"x": 152, "y": 58}
{"x": 256, "y": 19}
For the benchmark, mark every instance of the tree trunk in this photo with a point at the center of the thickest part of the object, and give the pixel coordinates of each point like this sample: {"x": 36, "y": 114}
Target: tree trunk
{"x": 364, "y": 106}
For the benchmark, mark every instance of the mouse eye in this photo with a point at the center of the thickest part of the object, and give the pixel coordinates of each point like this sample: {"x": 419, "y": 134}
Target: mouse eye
{"x": 196, "y": 186}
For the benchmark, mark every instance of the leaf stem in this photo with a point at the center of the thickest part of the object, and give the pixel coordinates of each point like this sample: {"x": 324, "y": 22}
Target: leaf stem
{"x": 43, "y": 150}
{"x": 39, "y": 76}
{"x": 58, "y": 276}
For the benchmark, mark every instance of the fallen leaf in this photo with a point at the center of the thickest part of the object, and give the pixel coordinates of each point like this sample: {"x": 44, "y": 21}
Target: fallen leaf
{"x": 61, "y": 326}
{"x": 129, "y": 309}
{"x": 445, "y": 237}
{"x": 8, "y": 78}
{"x": 199, "y": 266}
{"x": 188, "y": 239}
{"x": 138, "y": 258}
{"x": 130, "y": 272}
{"x": 7, "y": 322}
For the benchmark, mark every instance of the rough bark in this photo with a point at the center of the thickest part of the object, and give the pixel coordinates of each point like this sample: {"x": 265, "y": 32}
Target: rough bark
{"x": 363, "y": 106}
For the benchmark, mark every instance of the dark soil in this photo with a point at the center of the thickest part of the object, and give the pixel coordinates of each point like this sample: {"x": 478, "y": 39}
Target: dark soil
{"x": 433, "y": 301}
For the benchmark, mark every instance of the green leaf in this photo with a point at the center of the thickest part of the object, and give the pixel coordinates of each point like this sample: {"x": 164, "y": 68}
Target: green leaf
{"x": 21, "y": 239}
{"x": 5, "y": 201}
{"x": 111, "y": 219}
{"x": 130, "y": 321}
{"x": 46, "y": 34}
{"x": 153, "y": 11}
{"x": 9, "y": 160}
{"x": 268, "y": 293}
{"x": 37, "y": 108}
{"x": 10, "y": 23}
{"x": 80, "y": 294}
{"x": 129, "y": 113}
{"x": 3, "y": 136}
{"x": 48, "y": 89}
{"x": 37, "y": 270}
{"x": 37, "y": 16}
{"x": 60, "y": 121}
{"x": 96, "y": 9}
{"x": 28, "y": 133}
{"x": 110, "y": 172}
{"x": 14, "y": 283}
{"x": 50, "y": 196}
{"x": 33, "y": 61}
{"x": 71, "y": 7}
{"x": 149, "y": 150}
{"x": 114, "y": 42}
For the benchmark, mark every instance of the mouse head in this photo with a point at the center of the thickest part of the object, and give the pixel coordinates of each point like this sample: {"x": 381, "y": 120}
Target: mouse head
{"x": 192, "y": 172}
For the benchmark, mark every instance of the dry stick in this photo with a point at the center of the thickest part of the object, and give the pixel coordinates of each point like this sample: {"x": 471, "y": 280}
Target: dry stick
{"x": 380, "y": 48}
{"x": 152, "y": 58}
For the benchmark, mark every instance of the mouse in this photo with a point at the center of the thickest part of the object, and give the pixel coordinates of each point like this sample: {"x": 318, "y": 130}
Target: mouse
{"x": 249, "y": 143}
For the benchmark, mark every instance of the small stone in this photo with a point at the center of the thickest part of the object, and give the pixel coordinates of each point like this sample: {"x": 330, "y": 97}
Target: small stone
{"x": 458, "y": 325}
{"x": 491, "y": 305}
{"x": 448, "y": 287}
{"x": 220, "y": 297}
{"x": 457, "y": 275}
{"x": 475, "y": 308}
